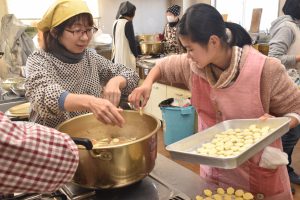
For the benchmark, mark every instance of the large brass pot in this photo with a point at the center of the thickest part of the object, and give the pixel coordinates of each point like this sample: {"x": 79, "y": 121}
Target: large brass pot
{"x": 147, "y": 38}
{"x": 152, "y": 48}
{"x": 115, "y": 165}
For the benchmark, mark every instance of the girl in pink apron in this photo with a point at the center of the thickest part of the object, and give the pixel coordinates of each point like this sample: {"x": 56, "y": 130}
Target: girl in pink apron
{"x": 229, "y": 80}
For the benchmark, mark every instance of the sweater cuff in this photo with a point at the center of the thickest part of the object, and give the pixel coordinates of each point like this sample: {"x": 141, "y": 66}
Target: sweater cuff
{"x": 61, "y": 100}
{"x": 295, "y": 115}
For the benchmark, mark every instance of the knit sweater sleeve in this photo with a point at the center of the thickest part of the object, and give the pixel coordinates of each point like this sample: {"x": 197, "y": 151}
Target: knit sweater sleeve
{"x": 280, "y": 43}
{"x": 42, "y": 88}
{"x": 175, "y": 69}
{"x": 107, "y": 70}
{"x": 279, "y": 94}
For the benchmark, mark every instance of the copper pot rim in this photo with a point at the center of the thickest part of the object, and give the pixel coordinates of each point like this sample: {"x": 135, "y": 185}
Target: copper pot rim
{"x": 117, "y": 145}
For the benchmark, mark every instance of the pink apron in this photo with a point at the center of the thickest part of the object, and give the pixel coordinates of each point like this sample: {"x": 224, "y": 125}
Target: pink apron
{"x": 240, "y": 100}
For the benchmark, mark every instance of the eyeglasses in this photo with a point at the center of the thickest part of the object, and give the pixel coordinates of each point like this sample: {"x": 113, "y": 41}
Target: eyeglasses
{"x": 79, "y": 33}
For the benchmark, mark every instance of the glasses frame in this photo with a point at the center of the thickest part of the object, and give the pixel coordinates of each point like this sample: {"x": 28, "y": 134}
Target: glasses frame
{"x": 82, "y": 32}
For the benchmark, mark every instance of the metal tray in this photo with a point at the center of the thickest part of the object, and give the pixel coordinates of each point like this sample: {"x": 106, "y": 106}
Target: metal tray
{"x": 185, "y": 149}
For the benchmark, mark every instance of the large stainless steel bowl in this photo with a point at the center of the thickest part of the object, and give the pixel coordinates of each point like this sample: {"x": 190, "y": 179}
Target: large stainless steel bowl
{"x": 115, "y": 165}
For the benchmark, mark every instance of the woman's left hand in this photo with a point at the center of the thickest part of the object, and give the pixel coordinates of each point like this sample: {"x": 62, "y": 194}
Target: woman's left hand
{"x": 112, "y": 92}
{"x": 266, "y": 116}
{"x": 293, "y": 123}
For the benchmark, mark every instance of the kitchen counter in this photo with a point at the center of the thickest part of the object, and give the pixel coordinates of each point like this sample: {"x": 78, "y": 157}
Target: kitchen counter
{"x": 10, "y": 101}
{"x": 104, "y": 50}
{"x": 167, "y": 181}
{"x": 180, "y": 177}
{"x": 177, "y": 85}
{"x": 144, "y": 66}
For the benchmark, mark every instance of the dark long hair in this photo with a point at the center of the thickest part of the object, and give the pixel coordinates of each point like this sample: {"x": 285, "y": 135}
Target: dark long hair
{"x": 49, "y": 39}
{"x": 126, "y": 9}
{"x": 201, "y": 21}
{"x": 292, "y": 8}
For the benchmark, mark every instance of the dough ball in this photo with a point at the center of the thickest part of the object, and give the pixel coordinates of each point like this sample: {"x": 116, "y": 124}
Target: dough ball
{"x": 207, "y": 192}
{"x": 248, "y": 196}
{"x": 198, "y": 197}
{"x": 220, "y": 191}
{"x": 239, "y": 193}
{"x": 230, "y": 190}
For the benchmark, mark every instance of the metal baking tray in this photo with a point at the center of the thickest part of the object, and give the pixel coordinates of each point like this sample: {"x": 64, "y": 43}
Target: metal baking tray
{"x": 185, "y": 149}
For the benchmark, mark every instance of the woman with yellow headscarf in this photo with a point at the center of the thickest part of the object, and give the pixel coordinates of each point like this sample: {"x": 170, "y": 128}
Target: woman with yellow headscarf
{"x": 67, "y": 79}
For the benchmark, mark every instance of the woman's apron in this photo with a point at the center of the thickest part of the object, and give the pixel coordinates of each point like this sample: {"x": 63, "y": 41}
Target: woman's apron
{"x": 240, "y": 101}
{"x": 121, "y": 52}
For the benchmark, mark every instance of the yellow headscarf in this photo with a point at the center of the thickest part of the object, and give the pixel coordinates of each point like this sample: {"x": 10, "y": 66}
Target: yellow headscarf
{"x": 60, "y": 11}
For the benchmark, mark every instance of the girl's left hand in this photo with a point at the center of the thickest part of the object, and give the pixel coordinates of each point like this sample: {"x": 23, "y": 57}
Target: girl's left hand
{"x": 112, "y": 92}
{"x": 293, "y": 123}
{"x": 266, "y": 116}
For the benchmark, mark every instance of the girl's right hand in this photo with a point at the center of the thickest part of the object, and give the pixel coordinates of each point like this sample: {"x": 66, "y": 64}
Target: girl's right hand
{"x": 106, "y": 112}
{"x": 140, "y": 96}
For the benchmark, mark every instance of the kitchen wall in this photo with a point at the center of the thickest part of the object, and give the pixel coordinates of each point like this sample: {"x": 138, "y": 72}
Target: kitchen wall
{"x": 149, "y": 18}
{"x": 188, "y": 3}
{"x": 150, "y": 15}
{"x": 281, "y": 3}
{"x": 3, "y": 9}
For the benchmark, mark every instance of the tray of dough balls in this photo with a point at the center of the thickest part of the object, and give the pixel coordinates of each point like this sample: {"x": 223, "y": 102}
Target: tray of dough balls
{"x": 225, "y": 194}
{"x": 230, "y": 143}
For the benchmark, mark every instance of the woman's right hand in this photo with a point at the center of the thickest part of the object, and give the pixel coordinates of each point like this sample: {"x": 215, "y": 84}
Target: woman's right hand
{"x": 140, "y": 95}
{"x": 103, "y": 109}
{"x": 106, "y": 112}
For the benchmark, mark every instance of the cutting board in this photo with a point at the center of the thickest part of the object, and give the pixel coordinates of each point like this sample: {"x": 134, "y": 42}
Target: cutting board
{"x": 255, "y": 21}
{"x": 21, "y": 110}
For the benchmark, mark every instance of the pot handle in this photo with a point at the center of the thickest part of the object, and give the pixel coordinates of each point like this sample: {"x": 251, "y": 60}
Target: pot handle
{"x": 84, "y": 142}
{"x": 102, "y": 155}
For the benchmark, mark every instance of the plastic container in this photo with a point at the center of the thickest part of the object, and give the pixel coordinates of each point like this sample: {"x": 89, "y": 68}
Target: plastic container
{"x": 178, "y": 123}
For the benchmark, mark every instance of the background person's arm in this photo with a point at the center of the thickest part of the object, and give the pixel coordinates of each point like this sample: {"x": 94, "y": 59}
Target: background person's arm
{"x": 129, "y": 32}
{"x": 279, "y": 45}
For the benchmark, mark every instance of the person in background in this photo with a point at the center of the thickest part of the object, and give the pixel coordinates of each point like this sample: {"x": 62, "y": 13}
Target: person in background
{"x": 65, "y": 78}
{"x": 220, "y": 68}
{"x": 170, "y": 31}
{"x": 285, "y": 45}
{"x": 15, "y": 42}
{"x": 124, "y": 47}
{"x": 34, "y": 158}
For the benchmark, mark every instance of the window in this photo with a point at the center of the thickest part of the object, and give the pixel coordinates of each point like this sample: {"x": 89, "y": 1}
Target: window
{"x": 240, "y": 11}
{"x": 34, "y": 9}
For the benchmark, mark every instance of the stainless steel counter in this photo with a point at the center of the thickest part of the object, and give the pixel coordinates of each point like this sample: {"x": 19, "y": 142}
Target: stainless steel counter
{"x": 144, "y": 67}
{"x": 11, "y": 101}
{"x": 180, "y": 177}
{"x": 167, "y": 181}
